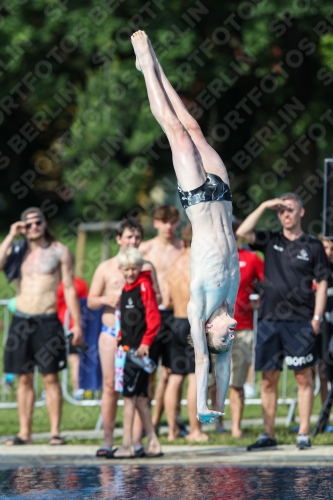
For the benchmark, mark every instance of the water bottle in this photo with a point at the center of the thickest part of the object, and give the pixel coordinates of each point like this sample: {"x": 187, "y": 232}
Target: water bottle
{"x": 147, "y": 364}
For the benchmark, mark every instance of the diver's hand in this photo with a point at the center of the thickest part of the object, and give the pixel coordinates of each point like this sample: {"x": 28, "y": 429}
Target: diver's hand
{"x": 209, "y": 416}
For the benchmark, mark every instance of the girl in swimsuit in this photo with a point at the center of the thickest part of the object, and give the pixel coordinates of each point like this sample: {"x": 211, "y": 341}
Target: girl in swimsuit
{"x": 205, "y": 194}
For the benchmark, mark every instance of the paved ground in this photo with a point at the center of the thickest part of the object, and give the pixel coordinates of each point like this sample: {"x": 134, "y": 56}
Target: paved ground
{"x": 42, "y": 455}
{"x": 93, "y": 434}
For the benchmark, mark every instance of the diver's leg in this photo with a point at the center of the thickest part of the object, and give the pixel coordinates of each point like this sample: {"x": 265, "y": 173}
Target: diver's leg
{"x": 187, "y": 163}
{"x": 211, "y": 160}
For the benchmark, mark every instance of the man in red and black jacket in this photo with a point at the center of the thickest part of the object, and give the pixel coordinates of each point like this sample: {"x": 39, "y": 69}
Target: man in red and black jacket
{"x": 140, "y": 323}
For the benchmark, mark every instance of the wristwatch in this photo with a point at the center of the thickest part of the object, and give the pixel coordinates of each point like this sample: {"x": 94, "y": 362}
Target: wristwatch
{"x": 318, "y": 318}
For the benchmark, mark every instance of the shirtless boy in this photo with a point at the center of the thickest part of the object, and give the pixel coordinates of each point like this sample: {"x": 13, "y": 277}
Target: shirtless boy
{"x": 163, "y": 251}
{"x": 182, "y": 353}
{"x": 36, "y": 336}
{"x": 105, "y": 290}
{"x": 205, "y": 194}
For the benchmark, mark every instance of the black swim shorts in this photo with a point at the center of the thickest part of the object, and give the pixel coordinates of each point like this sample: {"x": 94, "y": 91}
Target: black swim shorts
{"x": 213, "y": 189}
{"x": 294, "y": 341}
{"x": 182, "y": 353}
{"x": 135, "y": 380}
{"x": 35, "y": 340}
{"x": 161, "y": 347}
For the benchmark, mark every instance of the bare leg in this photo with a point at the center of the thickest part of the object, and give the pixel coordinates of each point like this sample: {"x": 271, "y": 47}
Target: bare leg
{"x": 106, "y": 347}
{"x": 212, "y": 162}
{"x": 53, "y": 401}
{"x": 269, "y": 395}
{"x": 304, "y": 381}
{"x": 154, "y": 446}
{"x": 171, "y": 403}
{"x": 159, "y": 395}
{"x": 129, "y": 409}
{"x": 195, "y": 427}
{"x": 74, "y": 362}
{"x": 25, "y": 400}
{"x": 236, "y": 407}
{"x": 187, "y": 163}
{"x": 323, "y": 383}
{"x": 137, "y": 430}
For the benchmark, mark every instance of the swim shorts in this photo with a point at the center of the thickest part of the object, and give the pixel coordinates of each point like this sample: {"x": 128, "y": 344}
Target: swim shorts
{"x": 241, "y": 357}
{"x": 35, "y": 340}
{"x": 293, "y": 340}
{"x": 161, "y": 347}
{"x": 213, "y": 189}
{"x": 109, "y": 330}
{"x": 135, "y": 380}
{"x": 182, "y": 353}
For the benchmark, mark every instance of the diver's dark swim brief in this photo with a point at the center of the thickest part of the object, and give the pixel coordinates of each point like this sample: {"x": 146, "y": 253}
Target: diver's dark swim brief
{"x": 213, "y": 189}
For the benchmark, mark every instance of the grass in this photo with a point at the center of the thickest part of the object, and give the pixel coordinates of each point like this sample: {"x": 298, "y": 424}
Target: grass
{"x": 84, "y": 418}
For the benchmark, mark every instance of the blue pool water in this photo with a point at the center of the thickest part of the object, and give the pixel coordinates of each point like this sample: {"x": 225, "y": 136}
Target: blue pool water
{"x": 166, "y": 482}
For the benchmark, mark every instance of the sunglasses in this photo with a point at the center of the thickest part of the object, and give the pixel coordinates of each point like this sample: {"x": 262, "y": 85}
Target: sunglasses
{"x": 30, "y": 224}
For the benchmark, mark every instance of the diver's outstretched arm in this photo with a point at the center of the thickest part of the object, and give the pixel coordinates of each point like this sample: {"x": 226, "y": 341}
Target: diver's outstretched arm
{"x": 222, "y": 375}
{"x": 198, "y": 335}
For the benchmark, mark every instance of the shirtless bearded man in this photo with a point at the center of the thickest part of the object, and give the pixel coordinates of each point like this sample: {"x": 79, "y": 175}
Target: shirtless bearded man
{"x": 163, "y": 251}
{"x": 105, "y": 290}
{"x": 36, "y": 336}
{"x": 206, "y": 196}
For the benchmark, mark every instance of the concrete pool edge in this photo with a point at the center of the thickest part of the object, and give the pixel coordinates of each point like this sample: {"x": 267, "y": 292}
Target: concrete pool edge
{"x": 84, "y": 455}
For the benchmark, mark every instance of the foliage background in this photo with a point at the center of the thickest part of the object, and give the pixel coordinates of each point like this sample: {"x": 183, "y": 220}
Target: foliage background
{"x": 99, "y": 154}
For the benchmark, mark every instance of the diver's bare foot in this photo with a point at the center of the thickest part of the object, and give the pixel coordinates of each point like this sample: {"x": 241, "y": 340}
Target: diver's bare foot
{"x": 197, "y": 437}
{"x": 139, "y": 41}
{"x": 208, "y": 416}
{"x": 123, "y": 452}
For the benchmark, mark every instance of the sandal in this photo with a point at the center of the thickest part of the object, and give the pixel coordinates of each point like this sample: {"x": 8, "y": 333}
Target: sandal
{"x": 58, "y": 441}
{"x": 105, "y": 452}
{"x": 16, "y": 440}
{"x": 139, "y": 452}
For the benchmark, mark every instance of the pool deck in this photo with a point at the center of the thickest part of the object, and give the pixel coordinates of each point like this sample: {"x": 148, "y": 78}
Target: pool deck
{"x": 285, "y": 455}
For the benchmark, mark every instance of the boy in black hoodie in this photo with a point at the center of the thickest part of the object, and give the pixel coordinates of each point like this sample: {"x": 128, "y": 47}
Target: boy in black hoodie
{"x": 140, "y": 323}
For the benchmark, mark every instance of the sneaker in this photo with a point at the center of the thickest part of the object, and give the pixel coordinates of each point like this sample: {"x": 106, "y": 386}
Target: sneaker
{"x": 303, "y": 442}
{"x": 182, "y": 428}
{"x": 222, "y": 430}
{"x": 265, "y": 442}
{"x": 294, "y": 430}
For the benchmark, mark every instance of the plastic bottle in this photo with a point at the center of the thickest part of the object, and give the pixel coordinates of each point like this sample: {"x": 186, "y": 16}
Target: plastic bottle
{"x": 147, "y": 364}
